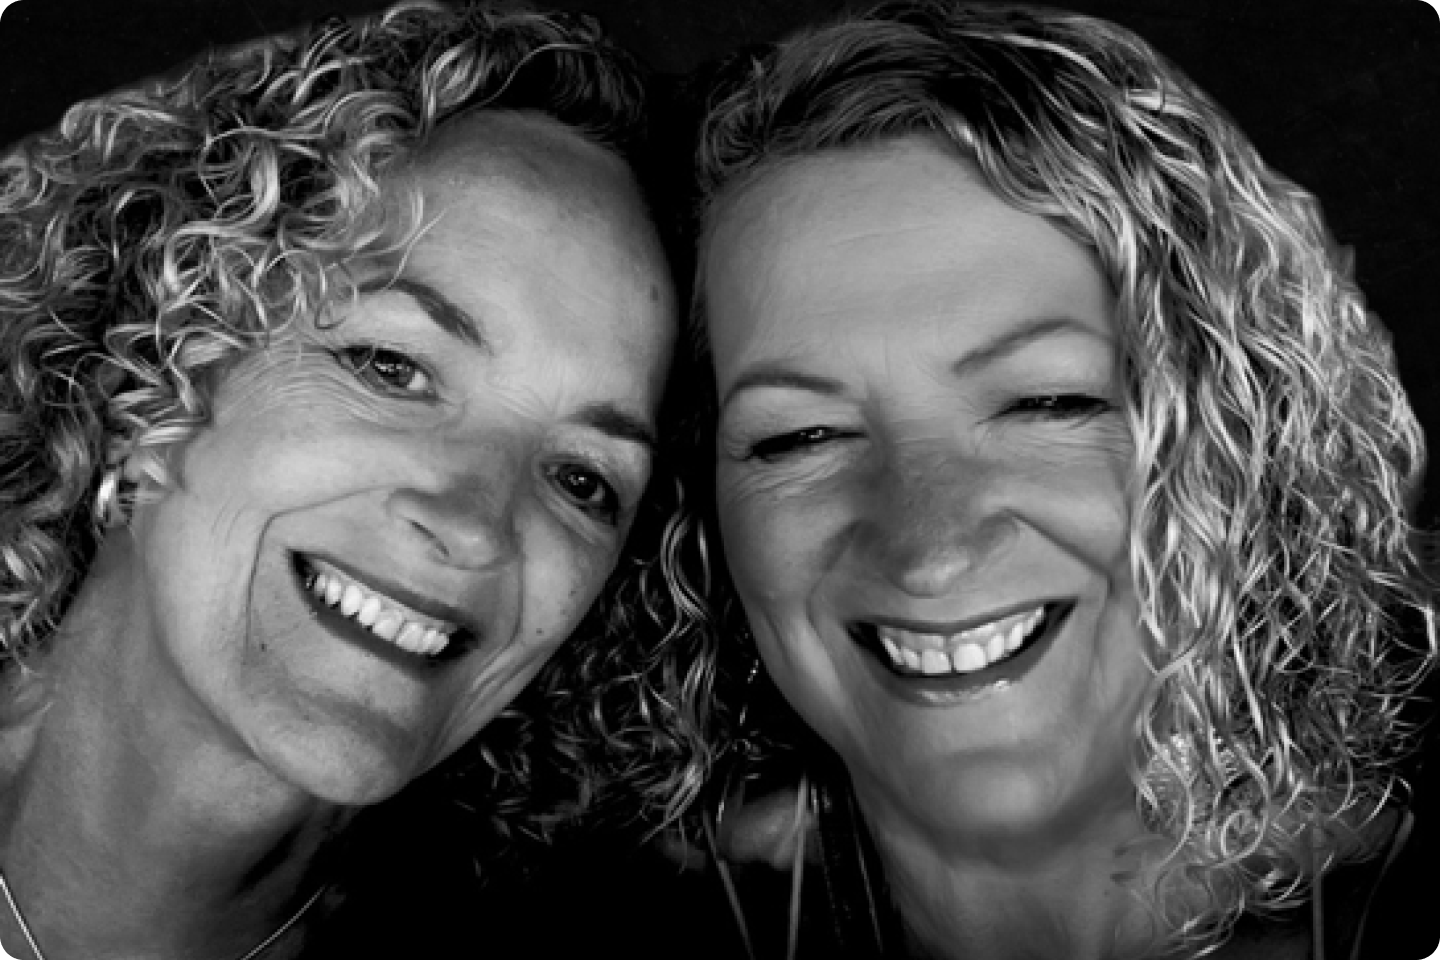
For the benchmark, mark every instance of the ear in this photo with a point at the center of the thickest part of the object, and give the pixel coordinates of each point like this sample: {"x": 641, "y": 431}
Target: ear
{"x": 146, "y": 470}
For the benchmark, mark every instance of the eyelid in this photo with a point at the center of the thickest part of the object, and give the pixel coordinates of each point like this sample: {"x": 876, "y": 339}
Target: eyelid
{"x": 611, "y": 513}
{"x": 797, "y": 443}
{"x": 622, "y": 473}
{"x": 1082, "y": 404}
{"x": 615, "y": 457}
{"x": 343, "y": 351}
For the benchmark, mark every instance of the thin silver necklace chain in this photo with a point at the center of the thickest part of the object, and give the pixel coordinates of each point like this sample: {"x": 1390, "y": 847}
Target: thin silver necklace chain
{"x": 254, "y": 952}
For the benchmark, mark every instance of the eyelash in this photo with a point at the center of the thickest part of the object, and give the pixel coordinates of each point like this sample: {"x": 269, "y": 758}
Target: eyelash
{"x": 368, "y": 362}
{"x": 1061, "y": 406}
{"x": 777, "y": 447}
{"x": 609, "y": 507}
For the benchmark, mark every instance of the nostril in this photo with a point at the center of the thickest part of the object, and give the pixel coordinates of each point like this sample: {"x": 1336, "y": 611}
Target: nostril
{"x": 928, "y": 543}
{"x": 459, "y": 530}
{"x": 936, "y": 558}
{"x": 931, "y": 573}
{"x": 436, "y": 544}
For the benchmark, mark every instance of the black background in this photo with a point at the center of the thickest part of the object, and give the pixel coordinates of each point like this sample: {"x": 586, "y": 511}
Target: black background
{"x": 1343, "y": 96}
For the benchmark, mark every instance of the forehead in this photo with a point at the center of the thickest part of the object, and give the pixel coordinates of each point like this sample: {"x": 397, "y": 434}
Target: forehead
{"x": 543, "y": 236}
{"x": 487, "y": 172}
{"x": 867, "y": 237}
{"x": 529, "y": 153}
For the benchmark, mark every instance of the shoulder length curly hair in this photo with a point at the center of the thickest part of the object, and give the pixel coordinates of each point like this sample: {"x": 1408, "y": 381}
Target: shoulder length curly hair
{"x": 161, "y": 232}
{"x": 1275, "y": 448}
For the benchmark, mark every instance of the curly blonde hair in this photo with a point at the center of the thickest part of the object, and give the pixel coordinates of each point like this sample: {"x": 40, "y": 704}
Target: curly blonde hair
{"x": 161, "y": 232}
{"x": 1275, "y": 449}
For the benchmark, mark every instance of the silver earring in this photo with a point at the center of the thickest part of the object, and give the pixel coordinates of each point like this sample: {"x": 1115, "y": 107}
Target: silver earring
{"x": 108, "y": 512}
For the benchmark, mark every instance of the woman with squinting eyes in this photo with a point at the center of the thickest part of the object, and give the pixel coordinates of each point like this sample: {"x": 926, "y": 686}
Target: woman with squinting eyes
{"x": 329, "y": 375}
{"x": 1061, "y": 479}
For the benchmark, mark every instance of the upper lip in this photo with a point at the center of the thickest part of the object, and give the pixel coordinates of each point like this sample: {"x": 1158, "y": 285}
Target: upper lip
{"x": 419, "y": 602}
{"x": 951, "y": 627}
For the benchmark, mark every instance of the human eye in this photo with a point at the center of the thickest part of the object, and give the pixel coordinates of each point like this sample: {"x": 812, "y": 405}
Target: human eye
{"x": 1059, "y": 406}
{"x": 387, "y": 371}
{"x": 588, "y": 490}
{"x": 793, "y": 443}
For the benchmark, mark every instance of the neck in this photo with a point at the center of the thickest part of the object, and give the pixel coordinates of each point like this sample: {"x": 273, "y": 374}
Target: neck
{"x": 130, "y": 822}
{"x": 1046, "y": 893}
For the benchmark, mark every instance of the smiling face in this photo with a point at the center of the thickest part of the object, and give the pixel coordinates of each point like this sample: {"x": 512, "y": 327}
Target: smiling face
{"x": 397, "y": 514}
{"x": 922, "y": 462}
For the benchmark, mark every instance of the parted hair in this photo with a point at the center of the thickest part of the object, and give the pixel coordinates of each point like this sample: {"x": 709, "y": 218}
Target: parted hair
{"x": 161, "y": 232}
{"x": 1276, "y": 452}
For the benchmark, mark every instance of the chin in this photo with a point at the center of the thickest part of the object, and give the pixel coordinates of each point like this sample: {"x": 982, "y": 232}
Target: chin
{"x": 1022, "y": 809}
{"x": 353, "y": 764}
{"x": 358, "y": 786}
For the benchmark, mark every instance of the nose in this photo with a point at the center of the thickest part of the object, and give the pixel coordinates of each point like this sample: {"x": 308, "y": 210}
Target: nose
{"x": 466, "y": 518}
{"x": 932, "y": 521}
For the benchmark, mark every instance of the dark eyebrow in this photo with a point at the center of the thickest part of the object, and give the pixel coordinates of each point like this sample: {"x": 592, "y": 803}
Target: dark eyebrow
{"x": 1017, "y": 337}
{"x": 776, "y": 375}
{"x": 613, "y": 421}
{"x": 437, "y": 306}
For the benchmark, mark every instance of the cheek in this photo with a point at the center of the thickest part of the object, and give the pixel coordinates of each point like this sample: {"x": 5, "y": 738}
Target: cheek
{"x": 198, "y": 564}
{"x": 777, "y": 546}
{"x": 563, "y": 577}
{"x": 296, "y": 433}
{"x": 778, "y": 550}
{"x": 1076, "y": 497}
{"x": 1121, "y": 674}
{"x": 1085, "y": 510}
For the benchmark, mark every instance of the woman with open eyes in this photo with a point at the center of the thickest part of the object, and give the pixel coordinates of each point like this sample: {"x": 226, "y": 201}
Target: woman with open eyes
{"x": 329, "y": 374}
{"x": 1061, "y": 478}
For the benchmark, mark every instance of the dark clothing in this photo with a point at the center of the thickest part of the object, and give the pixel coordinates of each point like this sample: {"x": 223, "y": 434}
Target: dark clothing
{"x": 855, "y": 918}
{"x": 636, "y": 904}
{"x": 415, "y": 892}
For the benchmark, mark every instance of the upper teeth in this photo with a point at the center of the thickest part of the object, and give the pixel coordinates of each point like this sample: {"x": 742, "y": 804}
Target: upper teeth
{"x": 963, "y": 652}
{"x": 386, "y": 618}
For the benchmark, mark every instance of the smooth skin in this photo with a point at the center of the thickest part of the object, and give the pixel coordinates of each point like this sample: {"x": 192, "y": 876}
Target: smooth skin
{"x": 470, "y": 429}
{"x": 922, "y": 421}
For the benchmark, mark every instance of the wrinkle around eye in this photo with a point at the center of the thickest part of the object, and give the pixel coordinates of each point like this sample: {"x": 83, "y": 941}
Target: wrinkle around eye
{"x": 793, "y": 476}
{"x": 739, "y": 436}
{"x": 1104, "y": 437}
{"x": 313, "y": 380}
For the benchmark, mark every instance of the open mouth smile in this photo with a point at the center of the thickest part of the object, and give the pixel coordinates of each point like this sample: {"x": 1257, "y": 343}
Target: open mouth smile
{"x": 380, "y": 615}
{"x": 932, "y": 654}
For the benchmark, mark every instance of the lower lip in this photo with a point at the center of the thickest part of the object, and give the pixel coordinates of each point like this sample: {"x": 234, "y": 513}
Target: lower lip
{"x": 969, "y": 687}
{"x": 351, "y": 631}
